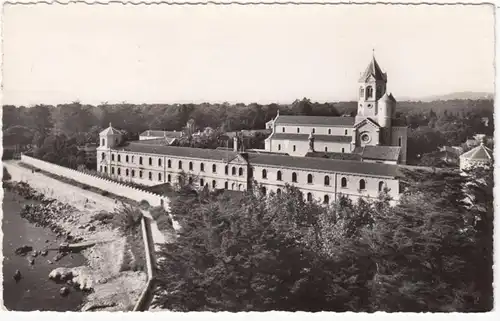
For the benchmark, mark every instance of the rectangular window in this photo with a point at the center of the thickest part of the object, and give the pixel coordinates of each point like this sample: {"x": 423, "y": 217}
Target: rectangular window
{"x": 343, "y": 149}
{"x": 345, "y": 131}
{"x": 294, "y": 148}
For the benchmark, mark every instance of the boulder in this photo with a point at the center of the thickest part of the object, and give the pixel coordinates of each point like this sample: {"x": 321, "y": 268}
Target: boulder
{"x": 23, "y": 250}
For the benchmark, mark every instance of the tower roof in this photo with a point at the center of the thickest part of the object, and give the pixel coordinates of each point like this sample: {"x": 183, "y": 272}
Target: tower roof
{"x": 374, "y": 70}
{"x": 109, "y": 131}
{"x": 479, "y": 153}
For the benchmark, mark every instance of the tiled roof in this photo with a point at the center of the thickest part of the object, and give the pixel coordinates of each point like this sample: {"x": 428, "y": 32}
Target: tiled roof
{"x": 305, "y": 137}
{"x": 161, "y": 133}
{"x": 330, "y": 165}
{"x": 332, "y": 155}
{"x": 158, "y": 141}
{"x": 314, "y": 120}
{"x": 200, "y": 153}
{"x": 110, "y": 131}
{"x": 480, "y": 152}
{"x": 390, "y": 153}
{"x": 374, "y": 70}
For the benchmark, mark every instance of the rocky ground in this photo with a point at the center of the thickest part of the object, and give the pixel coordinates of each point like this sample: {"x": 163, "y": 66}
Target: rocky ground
{"x": 112, "y": 286}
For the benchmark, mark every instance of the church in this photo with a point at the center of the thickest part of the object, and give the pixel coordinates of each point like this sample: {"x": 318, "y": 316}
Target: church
{"x": 322, "y": 156}
{"x": 370, "y": 136}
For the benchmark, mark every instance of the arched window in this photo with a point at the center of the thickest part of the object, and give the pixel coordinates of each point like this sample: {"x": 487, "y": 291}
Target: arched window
{"x": 112, "y": 157}
{"x": 226, "y": 169}
{"x": 343, "y": 150}
{"x": 169, "y": 178}
{"x": 103, "y": 156}
{"x": 105, "y": 169}
{"x": 126, "y": 158}
{"x": 329, "y": 131}
{"x": 279, "y": 146}
{"x": 380, "y": 186}
{"x": 112, "y": 171}
{"x": 400, "y": 141}
{"x": 264, "y": 174}
{"x": 309, "y": 197}
{"x": 214, "y": 168}
{"x": 278, "y": 176}
{"x": 202, "y": 167}
{"x": 119, "y": 158}
{"x": 233, "y": 186}
{"x": 169, "y": 163}
{"x": 126, "y": 172}
{"x": 309, "y": 179}
{"x": 150, "y": 161}
{"x": 202, "y": 182}
{"x": 369, "y": 92}
{"x": 240, "y": 171}
{"x": 140, "y": 174}
{"x": 326, "y": 149}
{"x": 326, "y": 199}
{"x": 132, "y": 158}
{"x": 190, "y": 166}
{"x": 343, "y": 182}
{"x": 225, "y": 185}
{"x": 159, "y": 162}
{"x": 214, "y": 183}
{"x": 180, "y": 164}
{"x": 240, "y": 187}
{"x": 294, "y": 148}
{"x": 119, "y": 171}
{"x": 263, "y": 190}
{"x": 345, "y": 131}
{"x": 278, "y": 191}
{"x": 133, "y": 173}
{"x": 140, "y": 160}
{"x": 362, "y": 184}
{"x": 159, "y": 177}
{"x": 282, "y": 129}
{"x": 327, "y": 180}
{"x": 314, "y": 130}
{"x": 294, "y": 177}
{"x": 233, "y": 170}
{"x": 298, "y": 130}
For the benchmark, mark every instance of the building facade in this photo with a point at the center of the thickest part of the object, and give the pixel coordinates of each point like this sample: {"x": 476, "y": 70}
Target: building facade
{"x": 147, "y": 163}
{"x": 372, "y": 126}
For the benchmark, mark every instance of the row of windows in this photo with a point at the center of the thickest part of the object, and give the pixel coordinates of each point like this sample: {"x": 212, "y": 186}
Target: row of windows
{"x": 326, "y": 198}
{"x": 326, "y": 180}
{"x": 346, "y": 132}
{"x": 295, "y": 148}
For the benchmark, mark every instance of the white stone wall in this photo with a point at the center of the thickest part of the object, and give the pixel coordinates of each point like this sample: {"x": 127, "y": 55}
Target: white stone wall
{"x": 318, "y": 189}
{"x": 318, "y": 129}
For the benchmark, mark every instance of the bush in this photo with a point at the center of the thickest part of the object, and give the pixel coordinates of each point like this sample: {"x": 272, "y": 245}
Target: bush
{"x": 164, "y": 223}
{"x": 104, "y": 193}
{"x": 6, "y": 175}
{"x": 144, "y": 205}
{"x": 127, "y": 218}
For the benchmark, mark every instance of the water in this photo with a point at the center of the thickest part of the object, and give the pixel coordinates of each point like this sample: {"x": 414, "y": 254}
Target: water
{"x": 34, "y": 291}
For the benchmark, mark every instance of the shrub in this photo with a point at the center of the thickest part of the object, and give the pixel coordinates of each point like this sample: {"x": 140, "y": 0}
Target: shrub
{"x": 144, "y": 205}
{"x": 127, "y": 218}
{"x": 6, "y": 175}
{"x": 104, "y": 193}
{"x": 164, "y": 223}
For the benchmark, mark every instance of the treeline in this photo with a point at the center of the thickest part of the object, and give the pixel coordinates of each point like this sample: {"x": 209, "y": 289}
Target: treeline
{"x": 77, "y": 124}
{"x": 248, "y": 252}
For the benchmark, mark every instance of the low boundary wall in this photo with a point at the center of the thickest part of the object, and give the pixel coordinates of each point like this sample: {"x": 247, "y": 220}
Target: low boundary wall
{"x": 146, "y": 296}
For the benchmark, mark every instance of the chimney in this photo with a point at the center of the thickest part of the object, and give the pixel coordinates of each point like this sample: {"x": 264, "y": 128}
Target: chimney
{"x": 235, "y": 144}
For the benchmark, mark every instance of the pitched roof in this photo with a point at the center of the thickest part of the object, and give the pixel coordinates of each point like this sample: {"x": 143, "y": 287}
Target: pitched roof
{"x": 314, "y": 120}
{"x": 110, "y": 131}
{"x": 322, "y": 164}
{"x": 161, "y": 133}
{"x": 189, "y": 152}
{"x": 322, "y": 138}
{"x": 159, "y": 141}
{"x": 389, "y": 153}
{"x": 332, "y": 155}
{"x": 374, "y": 70}
{"x": 480, "y": 152}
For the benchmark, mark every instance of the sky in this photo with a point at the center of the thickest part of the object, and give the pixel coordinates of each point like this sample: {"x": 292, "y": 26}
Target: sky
{"x": 177, "y": 54}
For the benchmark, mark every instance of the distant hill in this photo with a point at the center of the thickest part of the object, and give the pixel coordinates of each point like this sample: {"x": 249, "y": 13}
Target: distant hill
{"x": 463, "y": 95}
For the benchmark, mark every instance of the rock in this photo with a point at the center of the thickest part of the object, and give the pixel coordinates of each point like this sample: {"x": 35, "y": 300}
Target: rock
{"x": 35, "y": 254}
{"x": 23, "y": 250}
{"x": 91, "y": 228}
{"x": 17, "y": 276}
{"x": 44, "y": 253}
{"x": 64, "y": 291}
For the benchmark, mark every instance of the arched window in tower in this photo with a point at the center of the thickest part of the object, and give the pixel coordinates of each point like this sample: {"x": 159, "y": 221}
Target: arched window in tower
{"x": 369, "y": 92}
{"x": 362, "y": 185}
{"x": 240, "y": 171}
{"x": 103, "y": 156}
{"x": 233, "y": 171}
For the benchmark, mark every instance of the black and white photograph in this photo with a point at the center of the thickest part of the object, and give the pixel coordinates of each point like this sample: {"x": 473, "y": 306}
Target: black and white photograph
{"x": 248, "y": 158}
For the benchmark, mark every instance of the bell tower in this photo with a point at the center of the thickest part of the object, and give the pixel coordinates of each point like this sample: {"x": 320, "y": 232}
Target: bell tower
{"x": 372, "y": 86}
